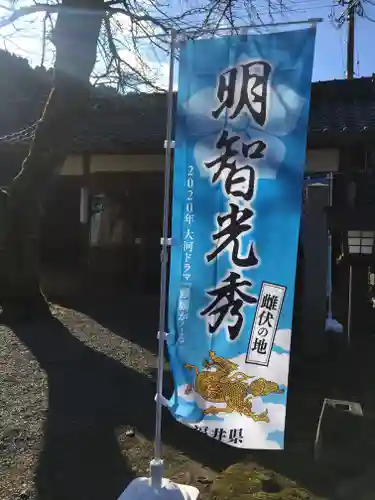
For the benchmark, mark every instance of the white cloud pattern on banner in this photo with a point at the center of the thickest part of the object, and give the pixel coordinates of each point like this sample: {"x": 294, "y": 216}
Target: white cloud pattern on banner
{"x": 283, "y": 339}
{"x": 283, "y": 112}
{"x": 266, "y": 168}
{"x": 256, "y": 434}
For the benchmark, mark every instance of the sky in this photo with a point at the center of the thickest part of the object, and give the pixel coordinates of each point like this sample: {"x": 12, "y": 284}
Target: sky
{"x": 331, "y": 43}
{"x": 330, "y": 53}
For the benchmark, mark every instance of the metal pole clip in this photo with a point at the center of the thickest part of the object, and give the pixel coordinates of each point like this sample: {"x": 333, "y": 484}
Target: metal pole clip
{"x": 171, "y": 144}
{"x": 164, "y": 336}
{"x": 167, "y": 240}
{"x": 159, "y": 398}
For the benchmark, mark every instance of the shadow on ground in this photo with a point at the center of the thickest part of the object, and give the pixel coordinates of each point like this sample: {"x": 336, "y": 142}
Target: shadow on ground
{"x": 90, "y": 395}
{"x": 130, "y": 316}
{"x": 137, "y": 321}
{"x": 81, "y": 457}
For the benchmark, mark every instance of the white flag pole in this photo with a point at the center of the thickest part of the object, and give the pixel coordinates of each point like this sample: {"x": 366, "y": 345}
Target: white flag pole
{"x": 156, "y": 487}
{"x": 157, "y": 463}
{"x": 331, "y": 324}
{"x": 330, "y": 201}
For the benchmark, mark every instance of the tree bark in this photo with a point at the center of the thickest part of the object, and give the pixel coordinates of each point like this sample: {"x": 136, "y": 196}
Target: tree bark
{"x": 75, "y": 38}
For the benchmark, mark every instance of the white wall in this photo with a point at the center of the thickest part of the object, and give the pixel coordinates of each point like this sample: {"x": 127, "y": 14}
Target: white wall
{"x": 115, "y": 163}
{"x": 320, "y": 160}
{"x": 73, "y": 166}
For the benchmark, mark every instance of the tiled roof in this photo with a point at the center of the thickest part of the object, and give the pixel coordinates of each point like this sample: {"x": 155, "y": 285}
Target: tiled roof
{"x": 341, "y": 110}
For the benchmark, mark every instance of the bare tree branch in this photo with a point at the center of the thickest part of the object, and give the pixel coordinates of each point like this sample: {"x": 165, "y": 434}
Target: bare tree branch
{"x": 55, "y": 9}
{"x": 122, "y": 60}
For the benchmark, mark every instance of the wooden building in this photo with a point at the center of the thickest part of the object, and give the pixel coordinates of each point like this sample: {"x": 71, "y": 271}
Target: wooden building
{"x": 118, "y": 161}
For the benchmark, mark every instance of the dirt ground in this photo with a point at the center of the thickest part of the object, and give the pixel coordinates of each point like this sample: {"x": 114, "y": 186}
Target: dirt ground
{"x": 77, "y": 416}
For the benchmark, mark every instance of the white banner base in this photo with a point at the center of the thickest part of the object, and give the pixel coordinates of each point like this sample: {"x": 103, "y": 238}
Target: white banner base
{"x": 141, "y": 489}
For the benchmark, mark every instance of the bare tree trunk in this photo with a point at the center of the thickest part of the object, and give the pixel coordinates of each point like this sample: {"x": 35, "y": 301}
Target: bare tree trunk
{"x": 75, "y": 38}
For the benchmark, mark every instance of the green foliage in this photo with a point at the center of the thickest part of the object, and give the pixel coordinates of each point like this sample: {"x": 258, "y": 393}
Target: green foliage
{"x": 247, "y": 481}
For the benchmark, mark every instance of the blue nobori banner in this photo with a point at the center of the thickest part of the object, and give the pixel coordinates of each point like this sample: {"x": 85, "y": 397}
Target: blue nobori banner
{"x": 243, "y": 107}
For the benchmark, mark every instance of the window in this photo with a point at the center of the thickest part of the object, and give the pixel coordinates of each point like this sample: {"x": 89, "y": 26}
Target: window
{"x": 360, "y": 242}
{"x": 107, "y": 222}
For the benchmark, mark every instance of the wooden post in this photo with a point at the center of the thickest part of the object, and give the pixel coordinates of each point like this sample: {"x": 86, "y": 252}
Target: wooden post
{"x": 314, "y": 273}
{"x": 86, "y": 183}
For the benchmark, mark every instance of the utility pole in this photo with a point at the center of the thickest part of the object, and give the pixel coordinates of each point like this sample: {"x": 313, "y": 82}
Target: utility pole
{"x": 351, "y": 40}
{"x": 354, "y": 8}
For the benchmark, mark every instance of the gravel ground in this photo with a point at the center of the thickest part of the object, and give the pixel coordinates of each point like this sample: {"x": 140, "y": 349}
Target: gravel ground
{"x": 77, "y": 412}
